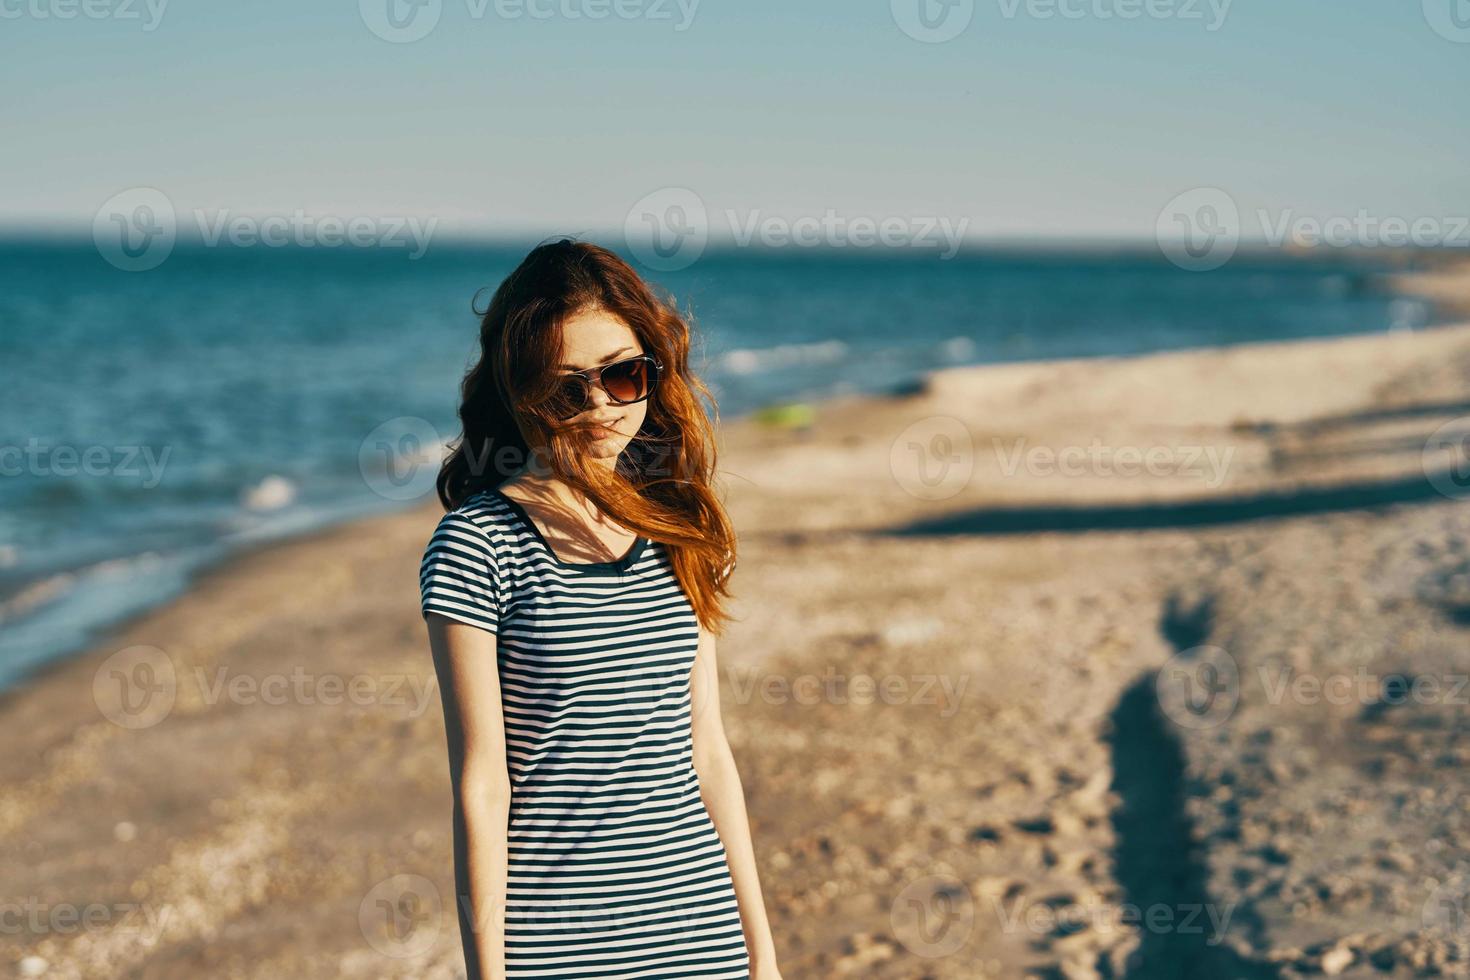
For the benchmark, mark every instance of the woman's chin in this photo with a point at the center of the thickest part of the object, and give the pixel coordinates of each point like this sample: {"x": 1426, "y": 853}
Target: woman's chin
{"x": 606, "y": 448}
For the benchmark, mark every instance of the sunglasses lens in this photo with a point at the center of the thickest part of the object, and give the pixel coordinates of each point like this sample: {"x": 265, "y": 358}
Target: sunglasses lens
{"x": 627, "y": 381}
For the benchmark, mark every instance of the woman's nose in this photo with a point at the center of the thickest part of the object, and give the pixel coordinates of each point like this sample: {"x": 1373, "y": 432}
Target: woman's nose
{"x": 597, "y": 397}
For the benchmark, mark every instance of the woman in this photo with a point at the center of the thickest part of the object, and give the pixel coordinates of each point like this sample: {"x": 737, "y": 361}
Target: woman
{"x": 573, "y": 595}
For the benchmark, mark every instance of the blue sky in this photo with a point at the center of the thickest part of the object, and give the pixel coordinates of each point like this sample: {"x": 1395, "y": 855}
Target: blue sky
{"x": 1024, "y": 125}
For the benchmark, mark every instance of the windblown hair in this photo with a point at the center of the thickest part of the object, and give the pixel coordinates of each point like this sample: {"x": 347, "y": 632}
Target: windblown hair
{"x": 661, "y": 486}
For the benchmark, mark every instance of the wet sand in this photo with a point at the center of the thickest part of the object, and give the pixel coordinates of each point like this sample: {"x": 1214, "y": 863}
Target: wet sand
{"x": 980, "y": 691}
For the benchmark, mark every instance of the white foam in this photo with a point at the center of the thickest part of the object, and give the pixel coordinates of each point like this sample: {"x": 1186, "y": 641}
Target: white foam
{"x": 272, "y": 493}
{"x": 749, "y": 360}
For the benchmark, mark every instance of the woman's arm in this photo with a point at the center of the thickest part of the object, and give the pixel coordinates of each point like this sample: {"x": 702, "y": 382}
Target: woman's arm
{"x": 469, "y": 686}
{"x": 724, "y": 797}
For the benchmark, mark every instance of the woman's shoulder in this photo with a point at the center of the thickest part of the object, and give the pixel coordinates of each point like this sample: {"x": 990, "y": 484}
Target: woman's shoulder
{"x": 483, "y": 514}
{"x": 485, "y": 507}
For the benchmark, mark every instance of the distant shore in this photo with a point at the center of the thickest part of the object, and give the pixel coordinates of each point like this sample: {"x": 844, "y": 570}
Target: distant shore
{"x": 244, "y": 778}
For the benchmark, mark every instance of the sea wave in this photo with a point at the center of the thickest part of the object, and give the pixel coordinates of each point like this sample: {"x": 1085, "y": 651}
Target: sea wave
{"x": 749, "y": 360}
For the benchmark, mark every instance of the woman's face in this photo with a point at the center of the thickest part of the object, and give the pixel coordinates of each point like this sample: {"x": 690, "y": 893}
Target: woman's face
{"x": 593, "y": 338}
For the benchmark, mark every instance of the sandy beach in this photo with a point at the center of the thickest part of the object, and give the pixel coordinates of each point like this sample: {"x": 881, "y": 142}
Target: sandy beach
{"x": 1065, "y": 669}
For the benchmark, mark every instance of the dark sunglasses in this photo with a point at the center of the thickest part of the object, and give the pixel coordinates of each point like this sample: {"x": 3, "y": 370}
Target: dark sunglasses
{"x": 626, "y": 382}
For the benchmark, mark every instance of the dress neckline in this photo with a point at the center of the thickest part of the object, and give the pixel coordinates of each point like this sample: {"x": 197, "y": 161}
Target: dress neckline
{"x": 634, "y": 552}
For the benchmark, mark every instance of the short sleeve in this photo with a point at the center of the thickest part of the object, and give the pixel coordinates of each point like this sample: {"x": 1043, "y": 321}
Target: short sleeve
{"x": 459, "y": 577}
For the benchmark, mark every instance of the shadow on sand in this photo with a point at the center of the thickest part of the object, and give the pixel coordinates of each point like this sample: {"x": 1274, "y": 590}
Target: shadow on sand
{"x": 1156, "y": 858}
{"x": 1416, "y": 489}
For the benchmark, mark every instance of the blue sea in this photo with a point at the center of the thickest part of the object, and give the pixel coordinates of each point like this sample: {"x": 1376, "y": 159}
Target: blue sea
{"x": 152, "y": 423}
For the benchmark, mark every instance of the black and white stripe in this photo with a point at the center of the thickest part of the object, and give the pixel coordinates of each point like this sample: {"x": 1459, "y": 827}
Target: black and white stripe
{"x": 615, "y": 869}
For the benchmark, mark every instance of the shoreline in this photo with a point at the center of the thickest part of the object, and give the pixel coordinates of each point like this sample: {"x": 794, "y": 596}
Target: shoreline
{"x": 1441, "y": 280}
{"x": 248, "y": 818}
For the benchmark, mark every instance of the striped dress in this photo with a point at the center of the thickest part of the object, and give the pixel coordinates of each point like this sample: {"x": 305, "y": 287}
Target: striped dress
{"x": 615, "y": 869}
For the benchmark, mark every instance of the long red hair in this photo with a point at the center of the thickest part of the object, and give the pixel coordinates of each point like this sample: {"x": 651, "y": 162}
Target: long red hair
{"x": 661, "y": 487}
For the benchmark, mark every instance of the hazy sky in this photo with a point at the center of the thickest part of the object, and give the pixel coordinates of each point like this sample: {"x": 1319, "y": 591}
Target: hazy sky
{"x": 1047, "y": 117}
